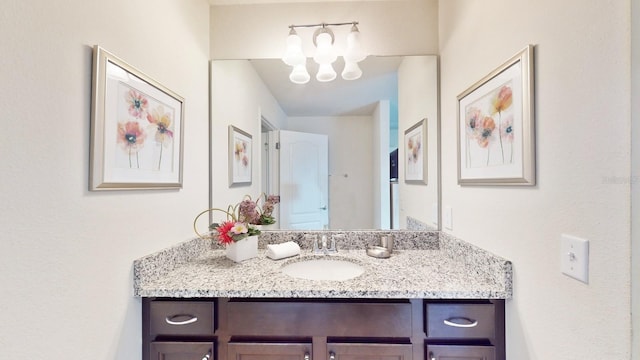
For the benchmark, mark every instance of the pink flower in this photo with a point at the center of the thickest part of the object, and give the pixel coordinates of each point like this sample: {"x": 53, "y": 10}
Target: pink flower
{"x": 507, "y": 129}
{"x": 131, "y": 139}
{"x": 488, "y": 125}
{"x": 473, "y": 122}
{"x": 239, "y": 229}
{"x": 137, "y": 103}
{"x": 224, "y": 232}
{"x": 248, "y": 211}
{"x": 130, "y": 136}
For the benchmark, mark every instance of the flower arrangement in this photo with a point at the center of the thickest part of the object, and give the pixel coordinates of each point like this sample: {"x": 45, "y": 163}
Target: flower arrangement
{"x": 241, "y": 220}
{"x": 230, "y": 231}
{"x": 251, "y": 213}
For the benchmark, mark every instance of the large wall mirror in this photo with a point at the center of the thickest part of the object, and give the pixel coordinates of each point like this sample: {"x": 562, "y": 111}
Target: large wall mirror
{"x": 365, "y": 124}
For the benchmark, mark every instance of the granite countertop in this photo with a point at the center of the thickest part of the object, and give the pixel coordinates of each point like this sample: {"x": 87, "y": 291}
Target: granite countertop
{"x": 425, "y": 264}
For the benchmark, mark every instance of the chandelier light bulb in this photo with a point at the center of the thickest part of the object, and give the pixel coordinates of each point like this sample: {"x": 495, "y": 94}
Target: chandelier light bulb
{"x": 326, "y": 73}
{"x": 299, "y": 74}
{"x": 293, "y": 55}
{"x": 351, "y": 71}
{"x": 325, "y": 54}
{"x": 354, "y": 52}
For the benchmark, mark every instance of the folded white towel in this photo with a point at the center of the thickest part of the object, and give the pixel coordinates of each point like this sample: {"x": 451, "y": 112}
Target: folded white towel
{"x": 284, "y": 250}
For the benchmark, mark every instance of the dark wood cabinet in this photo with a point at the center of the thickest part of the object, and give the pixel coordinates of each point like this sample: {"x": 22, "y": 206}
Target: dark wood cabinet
{"x": 464, "y": 330}
{"x": 370, "y": 351}
{"x": 322, "y": 329}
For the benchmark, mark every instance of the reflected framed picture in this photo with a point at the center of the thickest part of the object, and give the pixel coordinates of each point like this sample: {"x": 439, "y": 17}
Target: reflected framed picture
{"x": 240, "y": 161}
{"x": 136, "y": 129}
{"x": 496, "y": 137}
{"x": 415, "y": 153}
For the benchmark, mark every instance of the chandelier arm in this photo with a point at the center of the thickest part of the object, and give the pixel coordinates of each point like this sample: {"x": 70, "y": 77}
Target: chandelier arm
{"x": 323, "y": 25}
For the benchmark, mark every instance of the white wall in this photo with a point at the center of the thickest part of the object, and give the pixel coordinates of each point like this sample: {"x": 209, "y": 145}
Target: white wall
{"x": 635, "y": 176}
{"x": 238, "y": 98}
{"x": 381, "y": 201}
{"x": 350, "y": 196}
{"x": 582, "y": 135}
{"x": 66, "y": 253}
{"x": 418, "y": 99}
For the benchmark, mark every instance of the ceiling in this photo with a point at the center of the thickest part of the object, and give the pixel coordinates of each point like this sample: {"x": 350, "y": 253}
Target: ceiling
{"x": 340, "y": 97}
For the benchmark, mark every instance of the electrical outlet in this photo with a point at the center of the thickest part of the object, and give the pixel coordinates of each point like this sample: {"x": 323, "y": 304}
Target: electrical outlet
{"x": 575, "y": 257}
{"x": 447, "y": 217}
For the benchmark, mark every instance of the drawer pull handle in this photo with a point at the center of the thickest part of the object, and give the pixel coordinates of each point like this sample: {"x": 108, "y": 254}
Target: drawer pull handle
{"x": 191, "y": 320}
{"x": 207, "y": 357}
{"x": 307, "y": 356}
{"x": 332, "y": 355}
{"x": 461, "y": 322}
{"x": 431, "y": 356}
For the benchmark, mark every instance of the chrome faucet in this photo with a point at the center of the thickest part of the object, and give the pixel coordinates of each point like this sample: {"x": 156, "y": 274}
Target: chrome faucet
{"x": 325, "y": 246}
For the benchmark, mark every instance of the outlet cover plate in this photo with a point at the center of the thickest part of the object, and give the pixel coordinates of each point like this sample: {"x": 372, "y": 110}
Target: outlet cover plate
{"x": 575, "y": 257}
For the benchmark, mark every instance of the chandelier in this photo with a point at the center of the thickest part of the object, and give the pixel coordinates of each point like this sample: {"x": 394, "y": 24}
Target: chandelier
{"x": 325, "y": 55}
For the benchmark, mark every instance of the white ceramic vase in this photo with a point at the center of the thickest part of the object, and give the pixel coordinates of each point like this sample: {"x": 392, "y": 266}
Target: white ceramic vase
{"x": 267, "y": 227}
{"x": 244, "y": 249}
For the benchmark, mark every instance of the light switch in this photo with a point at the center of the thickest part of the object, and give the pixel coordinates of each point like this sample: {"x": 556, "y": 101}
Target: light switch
{"x": 447, "y": 217}
{"x": 575, "y": 257}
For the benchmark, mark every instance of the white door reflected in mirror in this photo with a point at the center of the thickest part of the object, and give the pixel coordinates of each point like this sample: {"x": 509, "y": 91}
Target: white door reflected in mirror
{"x": 304, "y": 174}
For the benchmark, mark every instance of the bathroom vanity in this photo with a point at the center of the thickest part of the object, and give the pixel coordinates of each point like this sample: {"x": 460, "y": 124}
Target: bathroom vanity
{"x": 435, "y": 298}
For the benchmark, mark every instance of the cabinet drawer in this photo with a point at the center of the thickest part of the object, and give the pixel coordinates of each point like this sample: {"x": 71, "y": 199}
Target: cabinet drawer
{"x": 372, "y": 351}
{"x": 269, "y": 351}
{"x": 466, "y": 352}
{"x": 320, "y": 318}
{"x": 182, "y": 350}
{"x": 460, "y": 320}
{"x": 181, "y": 318}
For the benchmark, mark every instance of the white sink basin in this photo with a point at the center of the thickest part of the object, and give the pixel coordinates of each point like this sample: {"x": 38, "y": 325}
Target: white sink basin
{"x": 323, "y": 269}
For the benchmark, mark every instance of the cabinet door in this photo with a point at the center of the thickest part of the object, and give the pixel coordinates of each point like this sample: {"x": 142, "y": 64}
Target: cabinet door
{"x": 369, "y": 351}
{"x": 269, "y": 351}
{"x": 181, "y": 350}
{"x": 460, "y": 352}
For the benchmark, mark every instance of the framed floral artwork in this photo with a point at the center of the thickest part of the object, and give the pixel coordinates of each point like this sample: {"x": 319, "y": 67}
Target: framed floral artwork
{"x": 415, "y": 153}
{"x": 240, "y": 161}
{"x": 496, "y": 138}
{"x": 136, "y": 129}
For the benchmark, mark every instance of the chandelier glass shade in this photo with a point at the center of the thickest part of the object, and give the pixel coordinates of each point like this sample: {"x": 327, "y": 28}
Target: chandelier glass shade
{"x": 325, "y": 54}
{"x": 294, "y": 55}
{"x": 299, "y": 74}
{"x": 351, "y": 71}
{"x": 326, "y": 73}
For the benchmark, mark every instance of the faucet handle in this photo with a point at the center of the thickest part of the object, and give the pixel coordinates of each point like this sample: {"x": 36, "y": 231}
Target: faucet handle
{"x": 334, "y": 246}
{"x": 314, "y": 241}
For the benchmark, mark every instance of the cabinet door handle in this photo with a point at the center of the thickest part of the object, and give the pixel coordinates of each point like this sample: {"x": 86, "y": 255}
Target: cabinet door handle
{"x": 191, "y": 320}
{"x": 307, "y": 356}
{"x": 431, "y": 356}
{"x": 332, "y": 355}
{"x": 207, "y": 357}
{"x": 461, "y": 322}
